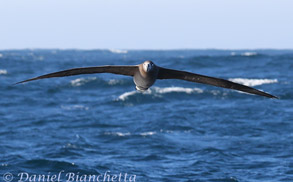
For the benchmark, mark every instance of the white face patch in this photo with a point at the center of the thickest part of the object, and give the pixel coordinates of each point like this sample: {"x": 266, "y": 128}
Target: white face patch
{"x": 147, "y": 67}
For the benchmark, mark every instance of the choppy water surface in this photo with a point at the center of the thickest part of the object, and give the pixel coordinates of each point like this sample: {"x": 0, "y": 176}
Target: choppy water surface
{"x": 177, "y": 131}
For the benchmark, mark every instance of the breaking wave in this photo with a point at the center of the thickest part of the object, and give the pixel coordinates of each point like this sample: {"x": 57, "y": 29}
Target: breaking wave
{"x": 82, "y": 81}
{"x": 253, "y": 82}
{"x": 3, "y": 72}
{"x": 249, "y": 54}
{"x": 125, "y": 95}
{"x": 121, "y": 134}
{"x": 118, "y": 51}
{"x": 244, "y": 54}
{"x": 74, "y": 107}
{"x": 158, "y": 91}
{"x": 143, "y": 134}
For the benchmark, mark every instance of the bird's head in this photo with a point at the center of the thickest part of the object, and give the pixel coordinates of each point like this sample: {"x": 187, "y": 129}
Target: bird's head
{"x": 148, "y": 66}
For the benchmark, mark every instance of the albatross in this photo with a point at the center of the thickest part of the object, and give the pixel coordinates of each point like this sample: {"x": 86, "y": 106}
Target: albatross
{"x": 145, "y": 75}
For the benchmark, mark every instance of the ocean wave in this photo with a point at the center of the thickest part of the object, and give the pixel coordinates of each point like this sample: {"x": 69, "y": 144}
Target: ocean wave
{"x": 48, "y": 162}
{"x": 121, "y": 134}
{"x": 253, "y": 82}
{"x": 115, "y": 82}
{"x": 82, "y": 81}
{"x": 118, "y": 51}
{"x": 249, "y": 54}
{"x": 125, "y": 95}
{"x": 157, "y": 91}
{"x": 244, "y": 54}
{"x": 1, "y": 55}
{"x": 75, "y": 107}
{"x": 3, "y": 72}
{"x": 148, "y": 133}
{"x": 177, "y": 89}
{"x": 145, "y": 133}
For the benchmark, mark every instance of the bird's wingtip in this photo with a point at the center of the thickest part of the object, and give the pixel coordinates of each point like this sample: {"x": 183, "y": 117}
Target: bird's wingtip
{"x": 275, "y": 97}
{"x": 24, "y": 81}
{"x": 18, "y": 83}
{"x": 271, "y": 96}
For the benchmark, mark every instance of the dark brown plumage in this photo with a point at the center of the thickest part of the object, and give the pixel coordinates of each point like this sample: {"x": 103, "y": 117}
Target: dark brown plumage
{"x": 145, "y": 75}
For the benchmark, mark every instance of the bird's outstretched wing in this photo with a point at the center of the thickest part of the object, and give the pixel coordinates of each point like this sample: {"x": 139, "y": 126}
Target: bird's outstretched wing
{"x": 121, "y": 70}
{"x": 183, "y": 75}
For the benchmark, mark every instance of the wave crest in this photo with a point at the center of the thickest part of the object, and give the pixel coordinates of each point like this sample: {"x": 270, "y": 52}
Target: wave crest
{"x": 157, "y": 91}
{"x": 3, "y": 72}
{"x": 249, "y": 54}
{"x": 253, "y": 82}
{"x": 74, "y": 107}
{"x": 118, "y": 51}
{"x": 177, "y": 89}
{"x": 244, "y": 54}
{"x": 81, "y": 81}
{"x": 121, "y": 134}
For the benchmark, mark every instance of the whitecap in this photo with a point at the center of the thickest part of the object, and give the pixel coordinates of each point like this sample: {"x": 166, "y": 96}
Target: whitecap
{"x": 149, "y": 133}
{"x": 115, "y": 82}
{"x": 75, "y": 107}
{"x": 177, "y": 89}
{"x": 125, "y": 95}
{"x": 157, "y": 91}
{"x": 122, "y": 134}
{"x": 1, "y": 55}
{"x": 117, "y": 133}
{"x": 118, "y": 51}
{"x": 215, "y": 92}
{"x": 3, "y": 72}
{"x": 249, "y": 54}
{"x": 253, "y": 82}
{"x": 70, "y": 145}
{"x": 81, "y": 81}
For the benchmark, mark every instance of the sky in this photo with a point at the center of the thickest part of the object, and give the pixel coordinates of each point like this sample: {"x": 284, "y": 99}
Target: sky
{"x": 146, "y": 24}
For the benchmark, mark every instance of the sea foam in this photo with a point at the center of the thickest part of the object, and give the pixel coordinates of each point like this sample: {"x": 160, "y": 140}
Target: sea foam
{"x": 159, "y": 91}
{"x": 123, "y": 134}
{"x": 3, "y": 72}
{"x": 149, "y": 133}
{"x": 81, "y": 81}
{"x": 177, "y": 89}
{"x": 253, "y": 82}
{"x": 118, "y": 51}
{"x": 74, "y": 107}
{"x": 249, "y": 54}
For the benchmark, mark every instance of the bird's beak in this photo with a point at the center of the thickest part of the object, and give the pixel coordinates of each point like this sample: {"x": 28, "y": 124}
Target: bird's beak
{"x": 149, "y": 67}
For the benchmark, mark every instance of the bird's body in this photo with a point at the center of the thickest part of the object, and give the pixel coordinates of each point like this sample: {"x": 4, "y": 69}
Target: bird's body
{"x": 146, "y": 74}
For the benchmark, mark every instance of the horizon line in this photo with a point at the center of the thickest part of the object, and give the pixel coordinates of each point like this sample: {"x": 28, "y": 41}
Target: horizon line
{"x": 145, "y": 49}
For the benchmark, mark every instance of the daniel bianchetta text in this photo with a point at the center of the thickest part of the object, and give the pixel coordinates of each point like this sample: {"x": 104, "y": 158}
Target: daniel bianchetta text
{"x": 69, "y": 177}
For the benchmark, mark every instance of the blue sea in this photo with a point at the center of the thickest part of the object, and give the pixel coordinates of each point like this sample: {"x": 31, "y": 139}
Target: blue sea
{"x": 98, "y": 128}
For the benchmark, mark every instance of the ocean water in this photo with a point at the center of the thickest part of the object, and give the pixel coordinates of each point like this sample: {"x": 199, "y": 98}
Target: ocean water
{"x": 97, "y": 127}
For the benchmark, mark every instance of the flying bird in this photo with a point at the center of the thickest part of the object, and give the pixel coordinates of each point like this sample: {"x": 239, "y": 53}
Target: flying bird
{"x": 145, "y": 74}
